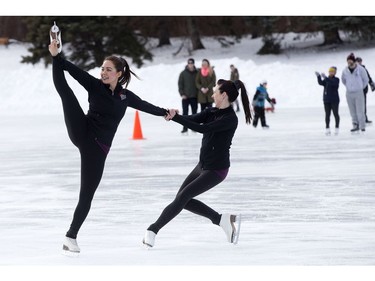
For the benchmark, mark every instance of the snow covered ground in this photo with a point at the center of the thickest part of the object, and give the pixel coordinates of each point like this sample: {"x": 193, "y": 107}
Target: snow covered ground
{"x": 306, "y": 199}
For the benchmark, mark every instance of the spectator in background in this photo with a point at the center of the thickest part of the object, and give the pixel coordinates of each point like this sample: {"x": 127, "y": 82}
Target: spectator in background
{"x": 234, "y": 75}
{"x": 365, "y": 90}
{"x": 331, "y": 97}
{"x": 261, "y": 95}
{"x": 205, "y": 82}
{"x": 355, "y": 78}
{"x": 187, "y": 89}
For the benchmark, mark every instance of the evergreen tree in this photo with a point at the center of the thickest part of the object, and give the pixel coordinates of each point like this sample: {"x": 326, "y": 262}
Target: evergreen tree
{"x": 271, "y": 41}
{"x": 330, "y": 27}
{"x": 361, "y": 27}
{"x": 86, "y": 40}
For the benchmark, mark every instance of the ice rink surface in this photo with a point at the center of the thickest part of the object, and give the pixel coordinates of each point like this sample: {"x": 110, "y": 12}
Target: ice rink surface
{"x": 306, "y": 198}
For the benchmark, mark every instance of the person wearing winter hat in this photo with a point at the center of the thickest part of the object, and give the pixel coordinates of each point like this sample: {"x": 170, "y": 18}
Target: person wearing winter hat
{"x": 331, "y": 97}
{"x": 187, "y": 89}
{"x": 261, "y": 95}
{"x": 365, "y": 90}
{"x": 355, "y": 79}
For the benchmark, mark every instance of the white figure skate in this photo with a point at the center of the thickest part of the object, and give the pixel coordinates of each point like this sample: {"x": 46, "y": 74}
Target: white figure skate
{"x": 231, "y": 224}
{"x": 149, "y": 239}
{"x": 70, "y": 247}
{"x": 55, "y": 34}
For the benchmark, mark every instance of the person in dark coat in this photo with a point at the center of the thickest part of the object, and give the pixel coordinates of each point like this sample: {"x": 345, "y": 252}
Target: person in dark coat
{"x": 331, "y": 97}
{"x": 187, "y": 89}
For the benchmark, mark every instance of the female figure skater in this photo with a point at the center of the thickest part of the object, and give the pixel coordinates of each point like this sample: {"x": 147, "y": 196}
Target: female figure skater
{"x": 218, "y": 125}
{"x": 93, "y": 133}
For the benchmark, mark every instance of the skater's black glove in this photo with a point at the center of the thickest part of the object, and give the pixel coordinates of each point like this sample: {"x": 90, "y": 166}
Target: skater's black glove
{"x": 317, "y": 73}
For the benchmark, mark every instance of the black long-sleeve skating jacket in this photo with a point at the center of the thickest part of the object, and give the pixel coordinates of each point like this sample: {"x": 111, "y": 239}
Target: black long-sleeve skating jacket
{"x": 218, "y": 127}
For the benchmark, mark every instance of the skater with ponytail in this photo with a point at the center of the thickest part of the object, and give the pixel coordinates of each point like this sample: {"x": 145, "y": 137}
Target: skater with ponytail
{"x": 93, "y": 133}
{"x": 218, "y": 125}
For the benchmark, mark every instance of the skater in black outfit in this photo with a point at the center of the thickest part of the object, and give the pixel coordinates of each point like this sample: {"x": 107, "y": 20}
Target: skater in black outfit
{"x": 92, "y": 133}
{"x": 331, "y": 97}
{"x": 218, "y": 126}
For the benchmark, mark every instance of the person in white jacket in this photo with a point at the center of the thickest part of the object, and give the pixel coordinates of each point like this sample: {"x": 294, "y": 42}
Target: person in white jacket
{"x": 355, "y": 79}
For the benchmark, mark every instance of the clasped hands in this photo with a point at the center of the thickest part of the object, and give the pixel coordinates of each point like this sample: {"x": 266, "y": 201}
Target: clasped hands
{"x": 170, "y": 114}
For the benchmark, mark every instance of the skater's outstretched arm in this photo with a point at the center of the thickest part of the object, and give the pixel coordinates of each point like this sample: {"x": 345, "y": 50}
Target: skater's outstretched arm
{"x": 223, "y": 124}
{"x": 137, "y": 103}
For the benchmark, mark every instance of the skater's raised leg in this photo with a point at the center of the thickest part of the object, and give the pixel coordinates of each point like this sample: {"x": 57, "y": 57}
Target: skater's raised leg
{"x": 75, "y": 119}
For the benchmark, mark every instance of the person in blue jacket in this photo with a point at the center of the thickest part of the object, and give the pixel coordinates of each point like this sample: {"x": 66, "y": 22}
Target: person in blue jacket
{"x": 261, "y": 95}
{"x": 331, "y": 97}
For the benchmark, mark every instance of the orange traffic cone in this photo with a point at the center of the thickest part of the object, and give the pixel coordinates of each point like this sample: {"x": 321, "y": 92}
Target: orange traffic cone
{"x": 137, "y": 132}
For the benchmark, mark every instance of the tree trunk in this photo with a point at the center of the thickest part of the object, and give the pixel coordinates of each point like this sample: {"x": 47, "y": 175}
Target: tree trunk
{"x": 13, "y": 27}
{"x": 331, "y": 36}
{"x": 253, "y": 24}
{"x": 194, "y": 34}
{"x": 164, "y": 38}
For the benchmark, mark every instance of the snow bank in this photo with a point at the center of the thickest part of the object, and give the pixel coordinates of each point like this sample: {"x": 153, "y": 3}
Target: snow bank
{"x": 28, "y": 89}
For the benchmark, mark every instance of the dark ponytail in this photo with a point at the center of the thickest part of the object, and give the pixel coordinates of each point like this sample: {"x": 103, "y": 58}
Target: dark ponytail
{"x": 245, "y": 100}
{"x": 122, "y": 65}
{"x": 231, "y": 88}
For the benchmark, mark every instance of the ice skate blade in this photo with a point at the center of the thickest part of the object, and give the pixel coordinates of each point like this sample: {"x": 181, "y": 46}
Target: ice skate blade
{"x": 238, "y": 229}
{"x": 70, "y": 254}
{"x": 146, "y": 246}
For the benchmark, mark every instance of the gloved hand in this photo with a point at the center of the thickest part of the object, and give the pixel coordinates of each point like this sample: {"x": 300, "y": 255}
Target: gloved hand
{"x": 372, "y": 86}
{"x": 317, "y": 74}
{"x": 324, "y": 76}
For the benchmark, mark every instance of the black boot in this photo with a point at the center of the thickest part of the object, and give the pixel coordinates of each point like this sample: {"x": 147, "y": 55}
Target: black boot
{"x": 355, "y": 128}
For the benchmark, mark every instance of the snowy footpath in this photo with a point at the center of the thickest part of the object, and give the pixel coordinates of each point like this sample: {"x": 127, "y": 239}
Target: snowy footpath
{"x": 305, "y": 198}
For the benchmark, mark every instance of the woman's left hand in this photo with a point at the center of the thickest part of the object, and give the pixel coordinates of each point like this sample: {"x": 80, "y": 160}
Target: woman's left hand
{"x": 171, "y": 114}
{"x": 53, "y": 48}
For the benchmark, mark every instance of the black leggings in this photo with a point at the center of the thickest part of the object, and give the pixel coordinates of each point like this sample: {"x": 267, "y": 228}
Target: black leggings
{"x": 92, "y": 156}
{"x": 197, "y": 182}
{"x": 334, "y": 107}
